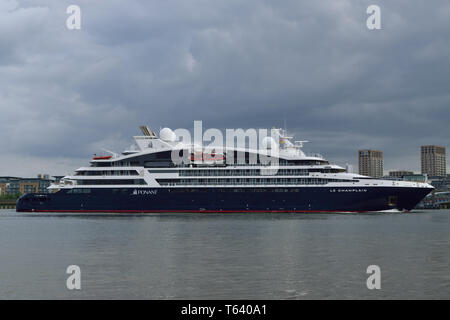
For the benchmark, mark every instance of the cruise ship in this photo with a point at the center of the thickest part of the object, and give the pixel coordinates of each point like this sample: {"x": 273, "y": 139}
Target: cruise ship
{"x": 145, "y": 178}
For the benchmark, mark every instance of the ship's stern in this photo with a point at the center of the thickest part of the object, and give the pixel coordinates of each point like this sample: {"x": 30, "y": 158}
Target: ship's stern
{"x": 30, "y": 202}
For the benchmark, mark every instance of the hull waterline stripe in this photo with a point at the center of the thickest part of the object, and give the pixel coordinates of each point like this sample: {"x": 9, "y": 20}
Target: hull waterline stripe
{"x": 196, "y": 211}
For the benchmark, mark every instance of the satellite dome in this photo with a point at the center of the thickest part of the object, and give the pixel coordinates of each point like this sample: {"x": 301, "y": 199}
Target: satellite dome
{"x": 269, "y": 143}
{"x": 166, "y": 134}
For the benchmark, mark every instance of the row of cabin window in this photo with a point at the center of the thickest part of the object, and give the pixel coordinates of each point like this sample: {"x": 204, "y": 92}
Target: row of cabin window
{"x": 108, "y": 173}
{"x": 253, "y": 172}
{"x": 239, "y": 190}
{"x": 250, "y": 181}
{"x": 112, "y": 182}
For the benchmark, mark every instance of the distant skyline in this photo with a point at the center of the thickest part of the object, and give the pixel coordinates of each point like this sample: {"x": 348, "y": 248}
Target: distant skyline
{"x": 314, "y": 65}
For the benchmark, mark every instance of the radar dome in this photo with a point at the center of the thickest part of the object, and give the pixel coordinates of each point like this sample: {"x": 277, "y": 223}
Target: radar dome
{"x": 166, "y": 134}
{"x": 268, "y": 143}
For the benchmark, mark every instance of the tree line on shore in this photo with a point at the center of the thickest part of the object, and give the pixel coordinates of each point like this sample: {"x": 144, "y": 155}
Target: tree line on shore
{"x": 9, "y": 197}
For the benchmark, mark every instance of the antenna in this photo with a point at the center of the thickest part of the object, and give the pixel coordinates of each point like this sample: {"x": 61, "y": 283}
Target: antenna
{"x": 299, "y": 143}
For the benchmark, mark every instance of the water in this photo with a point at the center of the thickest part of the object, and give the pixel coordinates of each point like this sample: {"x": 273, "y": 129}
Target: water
{"x": 225, "y": 256}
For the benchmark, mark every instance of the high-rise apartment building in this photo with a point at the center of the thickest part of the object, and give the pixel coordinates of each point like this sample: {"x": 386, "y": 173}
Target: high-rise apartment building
{"x": 370, "y": 163}
{"x": 432, "y": 160}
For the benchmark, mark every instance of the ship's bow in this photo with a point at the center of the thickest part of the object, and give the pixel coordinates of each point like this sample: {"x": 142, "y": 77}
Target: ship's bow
{"x": 410, "y": 196}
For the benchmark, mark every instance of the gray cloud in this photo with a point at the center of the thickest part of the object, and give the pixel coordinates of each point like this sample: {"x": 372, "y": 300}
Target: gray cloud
{"x": 65, "y": 94}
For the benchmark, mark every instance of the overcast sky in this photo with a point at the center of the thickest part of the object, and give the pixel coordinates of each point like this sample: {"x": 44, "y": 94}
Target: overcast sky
{"x": 65, "y": 94}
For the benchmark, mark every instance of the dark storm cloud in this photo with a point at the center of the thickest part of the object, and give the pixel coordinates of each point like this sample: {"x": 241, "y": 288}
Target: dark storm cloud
{"x": 66, "y": 94}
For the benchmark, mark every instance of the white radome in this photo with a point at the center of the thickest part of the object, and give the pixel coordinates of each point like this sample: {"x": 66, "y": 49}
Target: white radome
{"x": 269, "y": 143}
{"x": 166, "y": 134}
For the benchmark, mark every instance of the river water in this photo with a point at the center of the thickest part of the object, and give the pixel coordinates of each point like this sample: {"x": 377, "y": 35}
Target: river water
{"x": 225, "y": 256}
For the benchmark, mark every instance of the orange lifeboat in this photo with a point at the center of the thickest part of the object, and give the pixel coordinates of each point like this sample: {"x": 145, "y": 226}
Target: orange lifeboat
{"x": 102, "y": 157}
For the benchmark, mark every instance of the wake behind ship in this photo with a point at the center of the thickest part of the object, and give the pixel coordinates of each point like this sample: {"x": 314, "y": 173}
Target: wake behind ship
{"x": 145, "y": 178}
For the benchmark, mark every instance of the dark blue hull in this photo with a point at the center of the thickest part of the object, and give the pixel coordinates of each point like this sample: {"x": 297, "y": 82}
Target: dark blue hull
{"x": 301, "y": 199}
